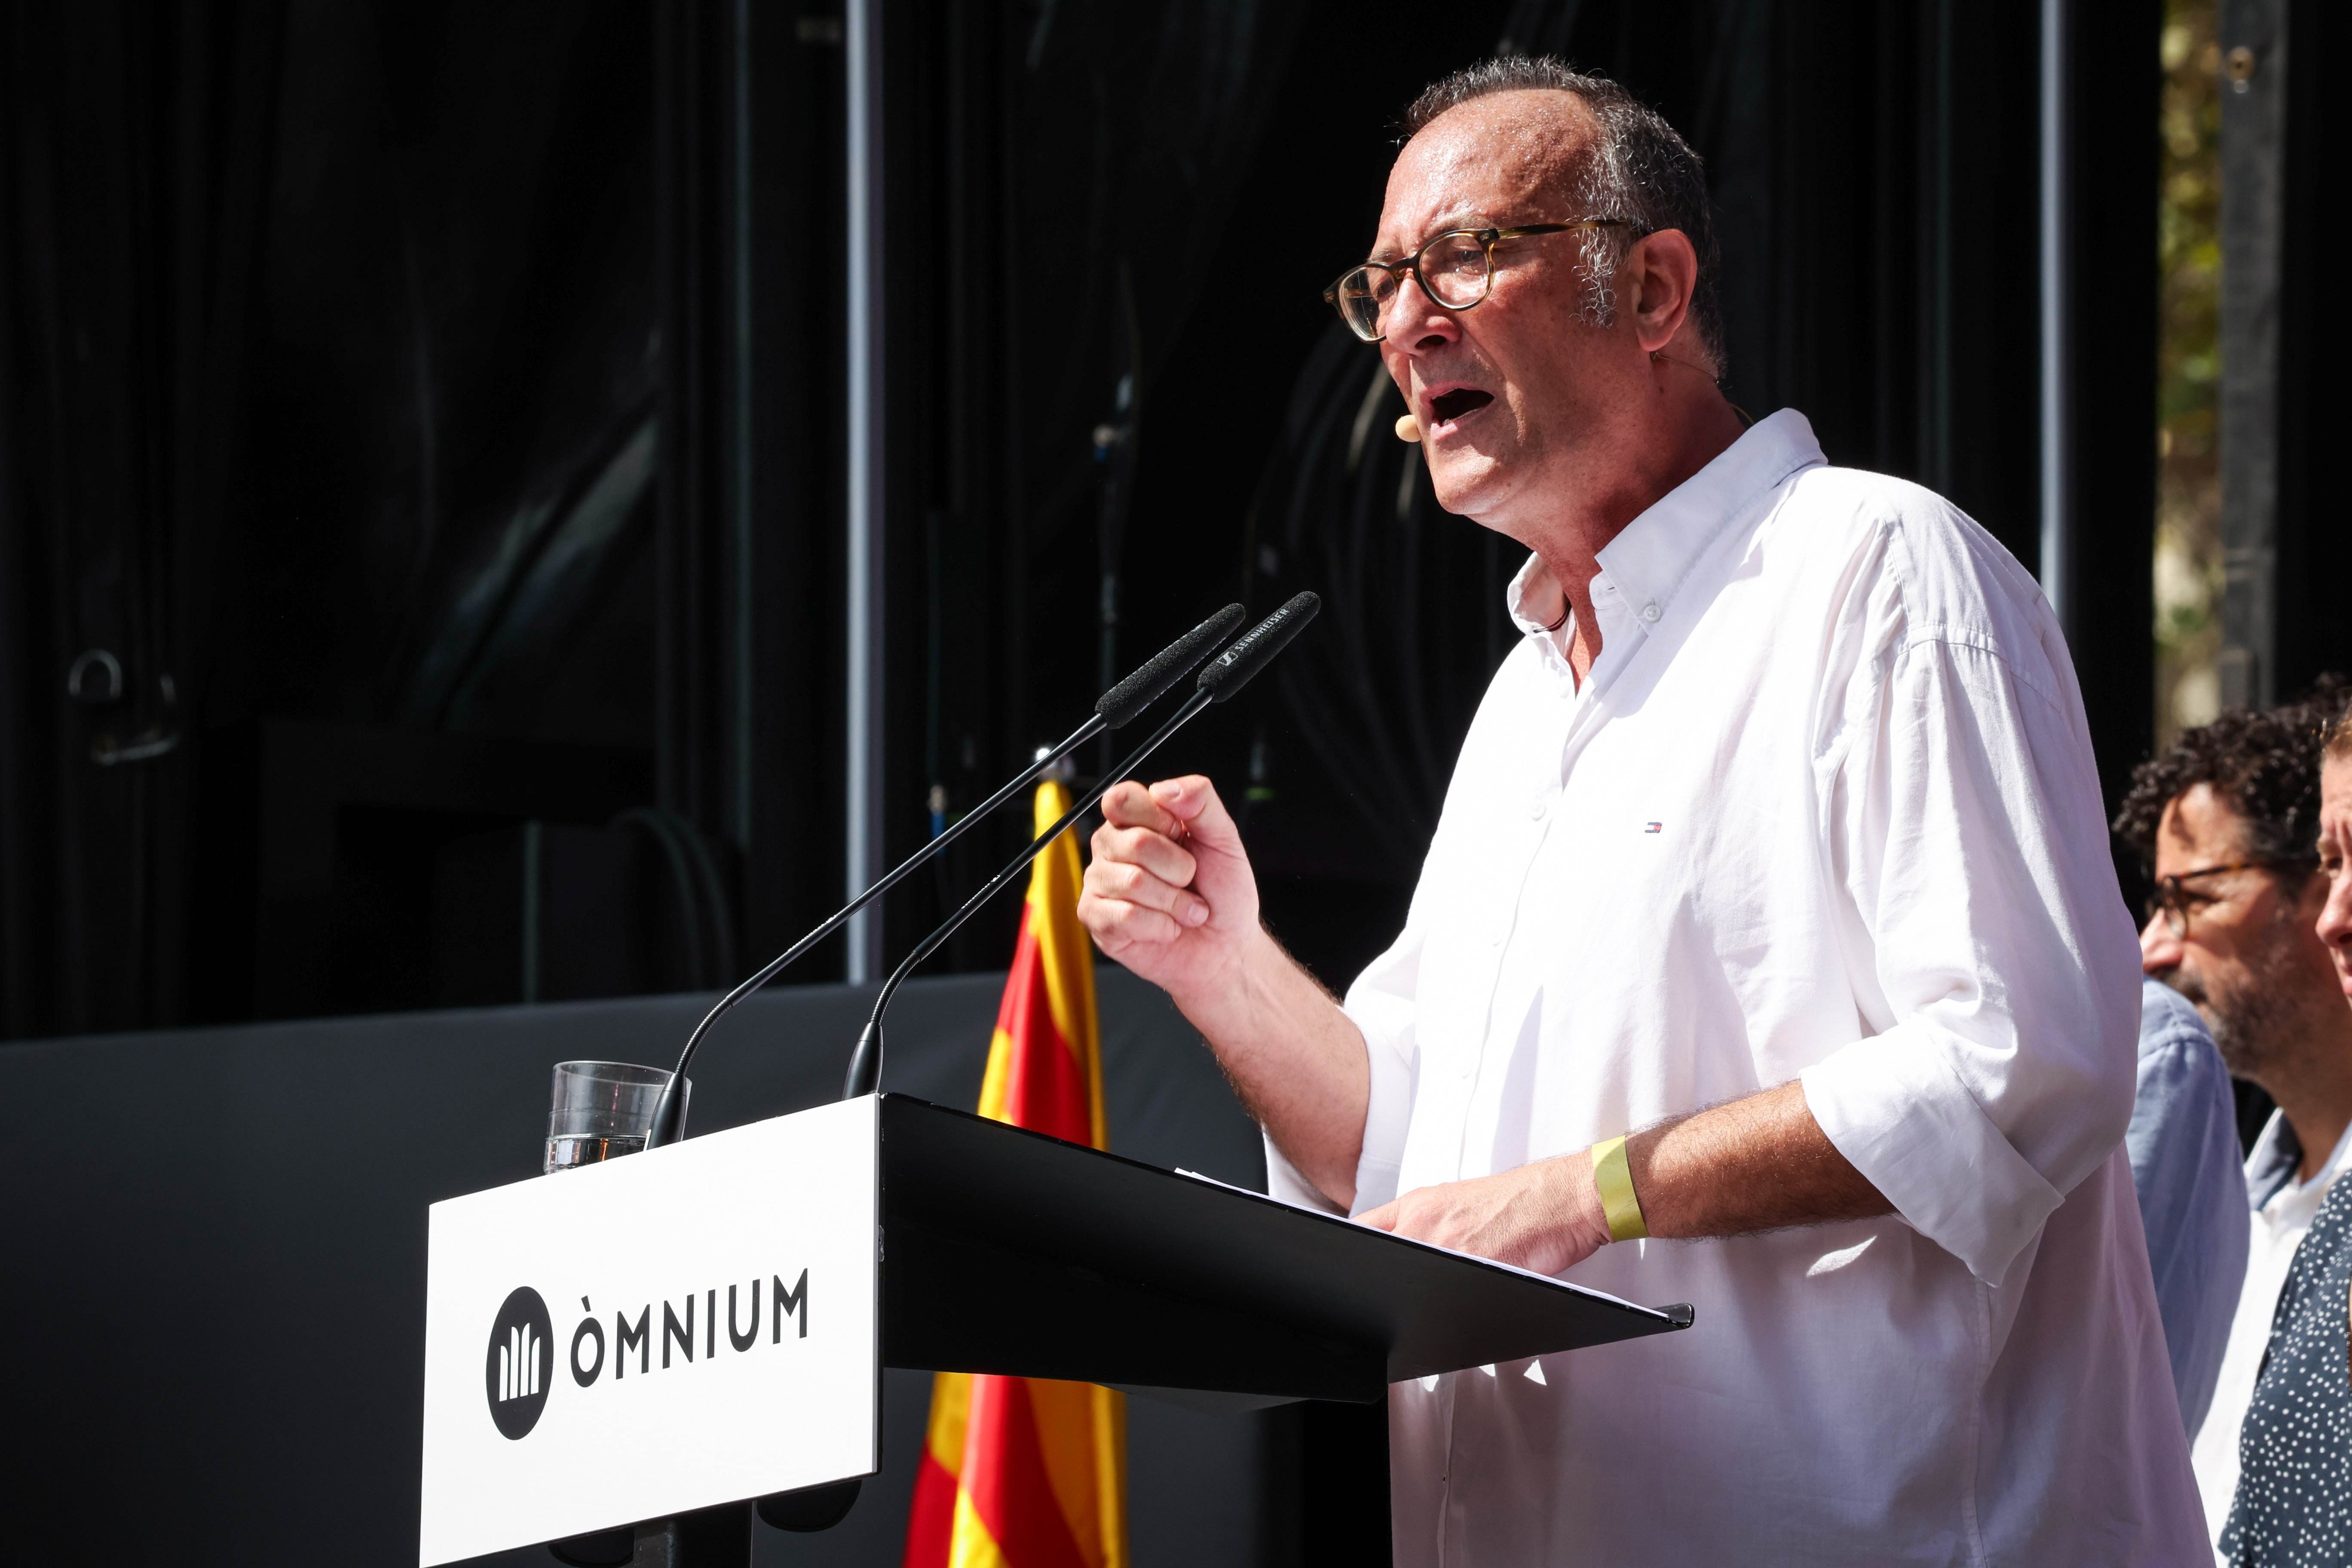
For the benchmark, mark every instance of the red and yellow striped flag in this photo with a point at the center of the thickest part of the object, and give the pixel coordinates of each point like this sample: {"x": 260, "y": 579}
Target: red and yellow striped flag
{"x": 1026, "y": 1472}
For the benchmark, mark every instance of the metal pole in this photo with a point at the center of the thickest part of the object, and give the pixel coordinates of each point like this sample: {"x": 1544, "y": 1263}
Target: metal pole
{"x": 2057, "y": 367}
{"x": 739, "y": 806}
{"x": 862, "y": 819}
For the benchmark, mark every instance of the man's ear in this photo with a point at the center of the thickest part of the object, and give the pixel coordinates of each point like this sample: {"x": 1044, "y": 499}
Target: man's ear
{"x": 1663, "y": 270}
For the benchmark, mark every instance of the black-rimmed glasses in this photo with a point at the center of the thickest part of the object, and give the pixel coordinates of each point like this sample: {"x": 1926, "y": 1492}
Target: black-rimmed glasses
{"x": 1456, "y": 269}
{"x": 2176, "y": 900}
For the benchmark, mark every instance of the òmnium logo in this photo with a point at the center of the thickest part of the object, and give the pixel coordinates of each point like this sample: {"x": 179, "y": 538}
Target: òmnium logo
{"x": 523, "y": 1355}
{"x": 521, "y": 1359}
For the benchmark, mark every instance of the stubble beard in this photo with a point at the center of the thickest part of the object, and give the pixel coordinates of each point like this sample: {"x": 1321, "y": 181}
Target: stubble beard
{"x": 2262, "y": 1025}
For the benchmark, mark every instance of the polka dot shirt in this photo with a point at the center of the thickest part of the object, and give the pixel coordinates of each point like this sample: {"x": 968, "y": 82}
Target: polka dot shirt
{"x": 2293, "y": 1505}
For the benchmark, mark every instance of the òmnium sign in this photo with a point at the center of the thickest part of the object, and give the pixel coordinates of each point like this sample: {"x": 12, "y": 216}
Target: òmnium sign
{"x": 515, "y": 1377}
{"x": 685, "y": 1286}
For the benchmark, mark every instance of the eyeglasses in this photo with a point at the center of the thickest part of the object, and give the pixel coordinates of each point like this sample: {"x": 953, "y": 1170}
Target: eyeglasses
{"x": 2175, "y": 901}
{"x": 1456, "y": 269}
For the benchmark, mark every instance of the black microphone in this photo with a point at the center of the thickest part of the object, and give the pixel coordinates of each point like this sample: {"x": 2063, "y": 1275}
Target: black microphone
{"x": 1112, "y": 710}
{"x": 1234, "y": 668}
{"x": 1220, "y": 682}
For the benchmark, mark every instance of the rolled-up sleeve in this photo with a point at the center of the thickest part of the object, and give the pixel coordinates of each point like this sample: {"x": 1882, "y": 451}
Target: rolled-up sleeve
{"x": 1381, "y": 1003}
{"x": 1990, "y": 943}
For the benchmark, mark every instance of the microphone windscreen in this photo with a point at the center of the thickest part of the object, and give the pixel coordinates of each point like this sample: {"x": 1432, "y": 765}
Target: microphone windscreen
{"x": 1232, "y": 670}
{"x": 1166, "y": 667}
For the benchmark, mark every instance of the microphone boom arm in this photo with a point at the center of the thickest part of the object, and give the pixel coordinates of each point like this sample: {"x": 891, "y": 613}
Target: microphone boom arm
{"x": 1114, "y": 710}
{"x": 669, "y": 1114}
{"x": 865, "y": 1063}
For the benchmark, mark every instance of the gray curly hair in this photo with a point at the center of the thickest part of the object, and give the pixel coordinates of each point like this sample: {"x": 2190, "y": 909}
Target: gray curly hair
{"x": 1640, "y": 169}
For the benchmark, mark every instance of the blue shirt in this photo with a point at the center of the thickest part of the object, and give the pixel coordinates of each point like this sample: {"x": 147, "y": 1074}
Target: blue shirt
{"x": 2183, "y": 1142}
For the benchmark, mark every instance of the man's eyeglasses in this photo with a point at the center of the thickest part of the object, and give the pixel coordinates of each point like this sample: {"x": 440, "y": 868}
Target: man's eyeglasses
{"x": 2175, "y": 901}
{"x": 1456, "y": 269}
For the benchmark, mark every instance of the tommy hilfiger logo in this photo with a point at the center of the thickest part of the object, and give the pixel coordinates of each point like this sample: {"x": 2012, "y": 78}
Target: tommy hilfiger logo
{"x": 1653, "y": 827}
{"x": 522, "y": 1352}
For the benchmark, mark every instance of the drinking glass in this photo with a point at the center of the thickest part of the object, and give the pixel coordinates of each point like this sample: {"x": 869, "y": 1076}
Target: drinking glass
{"x": 602, "y": 1110}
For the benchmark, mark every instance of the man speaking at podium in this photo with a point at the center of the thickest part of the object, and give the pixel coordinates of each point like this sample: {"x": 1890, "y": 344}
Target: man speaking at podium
{"x": 1767, "y": 956}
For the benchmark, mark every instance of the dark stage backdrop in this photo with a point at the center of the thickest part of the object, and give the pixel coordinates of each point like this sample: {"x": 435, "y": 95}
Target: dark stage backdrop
{"x": 215, "y": 1265}
{"x": 422, "y": 467}
{"x": 422, "y": 477}
{"x": 421, "y": 444}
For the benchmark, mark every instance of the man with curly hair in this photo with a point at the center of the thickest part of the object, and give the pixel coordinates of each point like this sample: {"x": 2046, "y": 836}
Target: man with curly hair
{"x": 2228, "y": 819}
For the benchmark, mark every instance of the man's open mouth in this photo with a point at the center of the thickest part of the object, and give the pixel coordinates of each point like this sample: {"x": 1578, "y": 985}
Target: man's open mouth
{"x": 1451, "y": 405}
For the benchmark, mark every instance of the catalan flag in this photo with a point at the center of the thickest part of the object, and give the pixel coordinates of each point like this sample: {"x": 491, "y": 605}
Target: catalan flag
{"x": 1026, "y": 1472}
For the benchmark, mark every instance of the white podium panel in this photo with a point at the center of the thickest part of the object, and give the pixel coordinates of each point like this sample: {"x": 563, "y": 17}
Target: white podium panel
{"x": 668, "y": 1331}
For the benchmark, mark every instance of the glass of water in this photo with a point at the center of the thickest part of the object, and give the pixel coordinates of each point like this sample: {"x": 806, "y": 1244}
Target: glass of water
{"x": 602, "y": 1110}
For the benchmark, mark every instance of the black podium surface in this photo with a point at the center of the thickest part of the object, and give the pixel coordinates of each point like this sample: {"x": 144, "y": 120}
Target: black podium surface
{"x": 261, "y": 1191}
{"x": 1008, "y": 1251}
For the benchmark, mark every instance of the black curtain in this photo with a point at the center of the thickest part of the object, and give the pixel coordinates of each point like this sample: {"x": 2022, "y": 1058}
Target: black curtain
{"x": 333, "y": 418}
{"x": 1065, "y": 180}
{"x": 446, "y": 492}
{"x": 380, "y": 375}
{"x": 135, "y": 143}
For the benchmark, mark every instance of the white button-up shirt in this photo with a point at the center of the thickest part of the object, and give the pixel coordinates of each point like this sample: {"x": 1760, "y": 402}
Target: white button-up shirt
{"x": 1824, "y": 809}
{"x": 2284, "y": 1209}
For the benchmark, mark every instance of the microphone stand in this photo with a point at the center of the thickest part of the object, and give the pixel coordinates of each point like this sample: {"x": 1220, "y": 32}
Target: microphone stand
{"x": 1116, "y": 708}
{"x": 865, "y": 1063}
{"x": 1220, "y": 681}
{"x": 670, "y": 1113}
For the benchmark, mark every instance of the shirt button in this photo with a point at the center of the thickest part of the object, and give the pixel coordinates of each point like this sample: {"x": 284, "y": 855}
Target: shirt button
{"x": 1650, "y": 612}
{"x": 1535, "y": 805}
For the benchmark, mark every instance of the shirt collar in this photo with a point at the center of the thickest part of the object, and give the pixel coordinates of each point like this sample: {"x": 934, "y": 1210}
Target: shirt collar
{"x": 1650, "y": 557}
{"x": 2270, "y": 1169}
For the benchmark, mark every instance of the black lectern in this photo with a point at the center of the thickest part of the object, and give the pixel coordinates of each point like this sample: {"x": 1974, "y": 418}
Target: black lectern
{"x": 705, "y": 1323}
{"x": 1008, "y": 1251}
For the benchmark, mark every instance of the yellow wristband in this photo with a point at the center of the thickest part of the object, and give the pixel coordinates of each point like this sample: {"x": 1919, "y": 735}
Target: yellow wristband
{"x": 1615, "y": 1180}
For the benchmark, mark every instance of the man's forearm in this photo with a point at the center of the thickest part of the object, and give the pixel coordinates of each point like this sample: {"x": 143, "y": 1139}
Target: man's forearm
{"x": 1294, "y": 1057}
{"x": 1758, "y": 1163}
{"x": 1761, "y": 1162}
